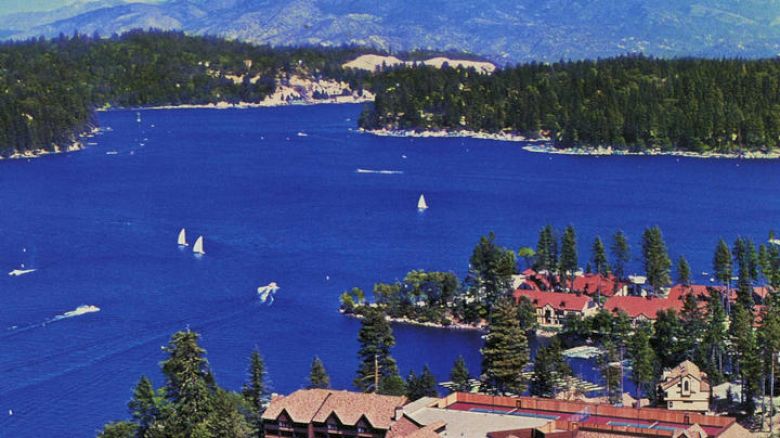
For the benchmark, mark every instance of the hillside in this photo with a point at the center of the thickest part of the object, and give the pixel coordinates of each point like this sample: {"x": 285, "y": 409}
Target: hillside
{"x": 503, "y": 30}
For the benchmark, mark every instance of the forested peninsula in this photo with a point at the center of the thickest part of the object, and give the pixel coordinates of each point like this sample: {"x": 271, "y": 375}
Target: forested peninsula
{"x": 632, "y": 103}
{"x": 52, "y": 87}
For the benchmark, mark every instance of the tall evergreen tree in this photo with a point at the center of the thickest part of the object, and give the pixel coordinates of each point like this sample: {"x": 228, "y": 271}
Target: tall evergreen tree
{"x": 376, "y": 339}
{"x": 547, "y": 250}
{"x": 505, "y": 351}
{"x": 550, "y": 369}
{"x": 643, "y": 360}
{"x": 746, "y": 352}
{"x": 683, "y": 271}
{"x": 714, "y": 340}
{"x": 599, "y": 257}
{"x": 490, "y": 271}
{"x": 189, "y": 385}
{"x": 621, "y": 253}
{"x": 145, "y": 406}
{"x": 568, "y": 262}
{"x": 318, "y": 376}
{"x": 656, "y": 259}
{"x": 459, "y": 376}
{"x": 226, "y": 420}
{"x": 667, "y": 333}
{"x": 611, "y": 368}
{"x": 422, "y": 386}
{"x": 721, "y": 265}
{"x": 255, "y": 390}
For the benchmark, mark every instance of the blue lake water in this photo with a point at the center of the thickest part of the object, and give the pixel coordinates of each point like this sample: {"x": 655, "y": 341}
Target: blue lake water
{"x": 275, "y": 206}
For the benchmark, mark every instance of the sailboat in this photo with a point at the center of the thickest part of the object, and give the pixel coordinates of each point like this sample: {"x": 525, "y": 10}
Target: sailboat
{"x": 198, "y": 247}
{"x": 421, "y": 204}
{"x": 183, "y": 238}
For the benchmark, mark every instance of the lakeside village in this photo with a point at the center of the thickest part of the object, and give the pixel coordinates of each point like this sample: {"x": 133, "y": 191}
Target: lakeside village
{"x": 645, "y": 328}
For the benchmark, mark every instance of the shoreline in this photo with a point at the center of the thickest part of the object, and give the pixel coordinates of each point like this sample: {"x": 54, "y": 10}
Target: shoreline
{"x": 406, "y": 321}
{"x": 608, "y": 151}
{"x": 247, "y": 105}
{"x": 443, "y": 133}
{"x": 77, "y": 145}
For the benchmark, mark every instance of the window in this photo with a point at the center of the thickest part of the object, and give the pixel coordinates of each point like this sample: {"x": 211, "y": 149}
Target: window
{"x": 686, "y": 387}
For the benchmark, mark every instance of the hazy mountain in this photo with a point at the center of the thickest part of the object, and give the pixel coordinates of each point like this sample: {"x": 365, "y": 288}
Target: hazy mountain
{"x": 504, "y": 30}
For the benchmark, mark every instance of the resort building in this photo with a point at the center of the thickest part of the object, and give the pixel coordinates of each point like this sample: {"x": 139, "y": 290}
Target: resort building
{"x": 641, "y": 308}
{"x": 595, "y": 285}
{"x": 685, "y": 388}
{"x": 552, "y": 308}
{"x": 325, "y": 413}
{"x": 322, "y": 413}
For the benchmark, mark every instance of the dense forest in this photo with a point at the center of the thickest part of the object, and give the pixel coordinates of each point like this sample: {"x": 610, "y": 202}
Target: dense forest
{"x": 51, "y": 87}
{"x": 632, "y": 102}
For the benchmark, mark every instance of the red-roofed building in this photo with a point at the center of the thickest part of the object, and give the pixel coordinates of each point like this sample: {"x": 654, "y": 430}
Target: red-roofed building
{"x": 642, "y": 308}
{"x": 597, "y": 284}
{"x": 552, "y": 308}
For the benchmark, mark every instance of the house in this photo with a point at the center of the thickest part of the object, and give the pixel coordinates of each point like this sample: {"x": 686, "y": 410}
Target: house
{"x": 320, "y": 413}
{"x": 685, "y": 388}
{"x": 552, "y": 308}
{"x": 641, "y": 308}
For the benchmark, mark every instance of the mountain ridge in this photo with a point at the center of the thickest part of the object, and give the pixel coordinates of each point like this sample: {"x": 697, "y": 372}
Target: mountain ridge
{"x": 505, "y": 31}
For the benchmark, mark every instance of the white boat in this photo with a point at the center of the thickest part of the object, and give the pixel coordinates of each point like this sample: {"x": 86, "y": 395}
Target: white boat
{"x": 421, "y": 204}
{"x": 112, "y": 153}
{"x": 302, "y": 134}
{"x": 20, "y": 272}
{"x": 267, "y": 291}
{"x": 774, "y": 241}
{"x": 183, "y": 238}
{"x": 198, "y": 247}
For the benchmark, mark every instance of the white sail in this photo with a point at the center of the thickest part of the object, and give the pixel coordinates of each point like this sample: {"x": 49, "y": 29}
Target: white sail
{"x": 198, "y": 247}
{"x": 421, "y": 204}
{"x": 183, "y": 237}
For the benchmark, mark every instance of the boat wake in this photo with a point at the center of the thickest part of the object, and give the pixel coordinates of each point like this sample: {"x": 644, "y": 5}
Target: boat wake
{"x": 20, "y": 272}
{"x": 78, "y": 311}
{"x": 380, "y": 172}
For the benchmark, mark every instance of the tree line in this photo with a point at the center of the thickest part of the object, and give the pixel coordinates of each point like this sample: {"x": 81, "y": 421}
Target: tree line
{"x": 631, "y": 102}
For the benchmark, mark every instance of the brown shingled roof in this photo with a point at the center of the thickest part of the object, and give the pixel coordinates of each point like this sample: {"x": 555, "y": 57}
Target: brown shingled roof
{"x": 316, "y": 405}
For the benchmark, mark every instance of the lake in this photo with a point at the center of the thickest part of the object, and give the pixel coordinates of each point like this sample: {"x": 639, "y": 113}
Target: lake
{"x": 273, "y": 205}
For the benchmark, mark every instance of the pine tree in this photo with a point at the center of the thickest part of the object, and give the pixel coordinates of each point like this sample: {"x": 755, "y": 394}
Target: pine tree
{"x": 547, "y": 250}
{"x": 656, "y": 259}
{"x": 526, "y": 315}
{"x": 318, "y": 376}
{"x": 505, "y": 350}
{"x": 423, "y": 386}
{"x": 599, "y": 257}
{"x": 714, "y": 340}
{"x": 668, "y": 330}
{"x": 189, "y": 384}
{"x": 683, "y": 271}
{"x": 609, "y": 363}
{"x": 255, "y": 391}
{"x": 145, "y": 405}
{"x": 721, "y": 264}
{"x": 459, "y": 376}
{"x": 643, "y": 360}
{"x": 226, "y": 420}
{"x": 376, "y": 339}
{"x": 550, "y": 369}
{"x": 568, "y": 262}
{"x": 490, "y": 271}
{"x": 745, "y": 350}
{"x": 621, "y": 254}
{"x": 120, "y": 429}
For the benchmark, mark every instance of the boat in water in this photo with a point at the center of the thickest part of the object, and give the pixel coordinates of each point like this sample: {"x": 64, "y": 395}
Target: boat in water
{"x": 197, "y": 248}
{"x": 267, "y": 292}
{"x": 20, "y": 272}
{"x": 774, "y": 241}
{"x": 183, "y": 238}
{"x": 421, "y": 204}
{"x": 302, "y": 134}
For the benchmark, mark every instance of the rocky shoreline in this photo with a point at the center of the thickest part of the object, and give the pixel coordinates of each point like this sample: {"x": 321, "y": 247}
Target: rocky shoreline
{"x": 609, "y": 151}
{"x": 443, "y": 133}
{"x": 77, "y": 145}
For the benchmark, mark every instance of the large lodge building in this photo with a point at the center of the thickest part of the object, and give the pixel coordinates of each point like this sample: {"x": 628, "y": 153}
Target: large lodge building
{"x": 321, "y": 413}
{"x": 589, "y": 292}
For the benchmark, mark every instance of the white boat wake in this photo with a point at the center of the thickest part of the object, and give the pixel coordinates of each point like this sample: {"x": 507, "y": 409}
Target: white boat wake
{"x": 380, "y": 172}
{"x": 267, "y": 292}
{"x": 84, "y": 309}
{"x": 20, "y": 272}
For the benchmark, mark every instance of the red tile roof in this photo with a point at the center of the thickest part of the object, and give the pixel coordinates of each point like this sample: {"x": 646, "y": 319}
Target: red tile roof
{"x": 642, "y": 306}
{"x": 590, "y": 284}
{"x": 556, "y": 300}
{"x": 316, "y": 405}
